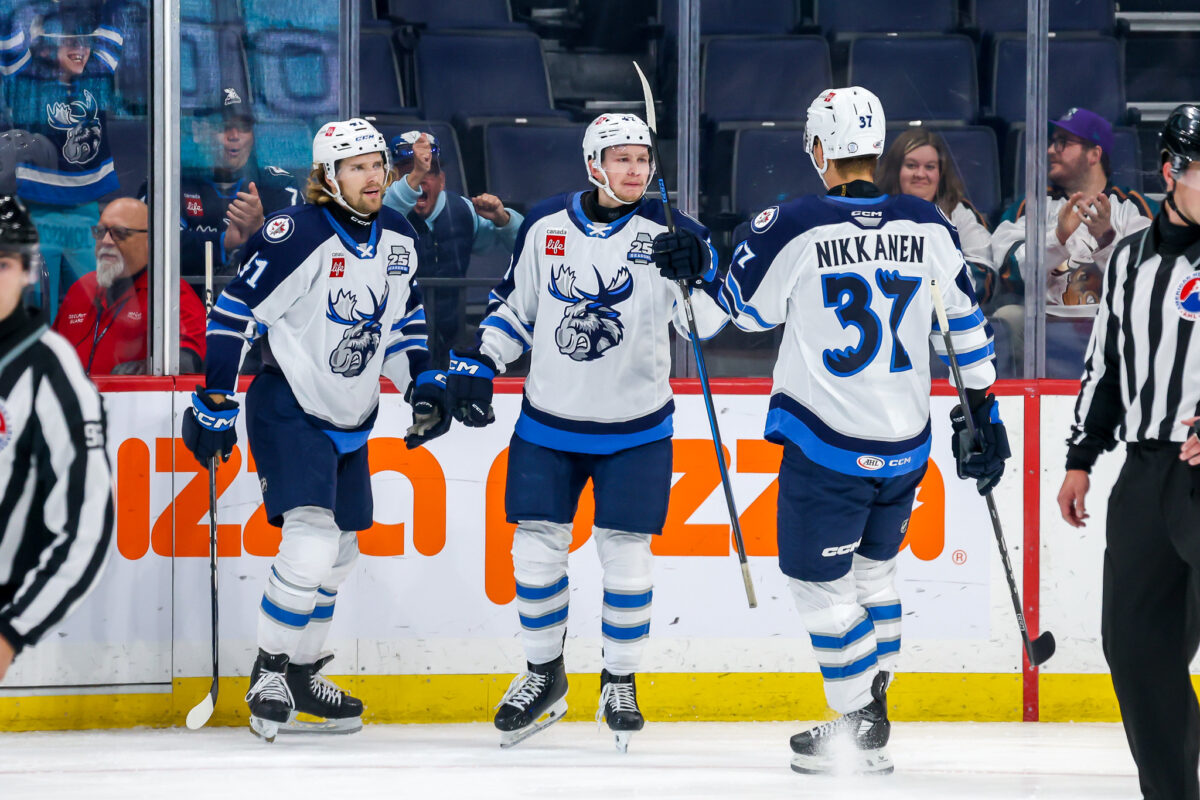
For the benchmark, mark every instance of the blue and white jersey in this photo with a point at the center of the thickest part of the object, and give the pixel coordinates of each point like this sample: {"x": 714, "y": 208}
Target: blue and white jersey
{"x": 338, "y": 301}
{"x": 848, "y": 278}
{"x": 587, "y": 298}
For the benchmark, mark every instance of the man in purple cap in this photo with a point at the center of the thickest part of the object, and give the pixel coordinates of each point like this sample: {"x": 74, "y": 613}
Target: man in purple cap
{"x": 1086, "y": 214}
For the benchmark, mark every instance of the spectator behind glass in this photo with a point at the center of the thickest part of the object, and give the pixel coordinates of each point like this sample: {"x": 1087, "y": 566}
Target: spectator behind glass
{"x": 449, "y": 229}
{"x": 106, "y": 313}
{"x": 59, "y": 83}
{"x": 1085, "y": 216}
{"x": 226, "y": 196}
{"x": 919, "y": 163}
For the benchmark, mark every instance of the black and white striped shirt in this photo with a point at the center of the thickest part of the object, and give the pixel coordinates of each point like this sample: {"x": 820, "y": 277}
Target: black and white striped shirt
{"x": 56, "y": 498}
{"x": 1142, "y": 370}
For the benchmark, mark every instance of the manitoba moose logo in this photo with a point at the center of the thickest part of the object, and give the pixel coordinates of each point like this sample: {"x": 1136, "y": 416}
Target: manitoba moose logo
{"x": 590, "y": 325}
{"x": 361, "y": 341}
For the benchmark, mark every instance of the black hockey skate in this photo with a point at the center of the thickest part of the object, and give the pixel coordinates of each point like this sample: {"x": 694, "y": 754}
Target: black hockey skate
{"x": 535, "y": 700}
{"x": 270, "y": 699}
{"x": 619, "y": 708}
{"x": 317, "y": 696}
{"x": 854, "y": 742}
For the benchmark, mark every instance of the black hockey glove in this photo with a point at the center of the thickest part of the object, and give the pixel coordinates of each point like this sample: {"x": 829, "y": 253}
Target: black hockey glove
{"x": 681, "y": 256}
{"x": 469, "y": 384}
{"x": 983, "y": 461}
{"x": 431, "y": 411}
{"x": 208, "y": 427}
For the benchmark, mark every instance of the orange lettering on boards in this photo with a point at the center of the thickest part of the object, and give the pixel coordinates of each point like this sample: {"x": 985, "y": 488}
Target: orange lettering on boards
{"x": 926, "y": 535}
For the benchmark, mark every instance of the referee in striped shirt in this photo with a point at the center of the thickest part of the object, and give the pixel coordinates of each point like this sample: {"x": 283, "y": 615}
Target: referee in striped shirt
{"x": 1141, "y": 384}
{"x": 56, "y": 504}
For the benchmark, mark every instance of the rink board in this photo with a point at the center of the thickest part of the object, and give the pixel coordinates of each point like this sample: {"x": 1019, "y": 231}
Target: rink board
{"x": 425, "y": 627}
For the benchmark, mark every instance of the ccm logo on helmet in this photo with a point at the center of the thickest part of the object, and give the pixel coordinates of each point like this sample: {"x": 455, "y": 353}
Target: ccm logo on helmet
{"x": 830, "y": 552}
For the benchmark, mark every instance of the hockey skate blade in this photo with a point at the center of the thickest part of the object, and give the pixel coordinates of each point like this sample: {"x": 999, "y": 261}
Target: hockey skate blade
{"x": 864, "y": 762}
{"x": 200, "y": 713}
{"x": 622, "y": 740}
{"x": 264, "y": 729}
{"x": 316, "y": 725}
{"x": 552, "y": 715}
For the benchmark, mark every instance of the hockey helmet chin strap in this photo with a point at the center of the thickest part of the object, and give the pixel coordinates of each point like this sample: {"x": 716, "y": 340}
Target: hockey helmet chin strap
{"x": 606, "y": 187}
{"x": 1178, "y": 174}
{"x": 341, "y": 200}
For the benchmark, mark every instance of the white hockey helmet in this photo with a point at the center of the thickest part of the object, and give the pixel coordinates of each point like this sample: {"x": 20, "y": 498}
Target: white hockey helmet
{"x": 849, "y": 122}
{"x": 611, "y": 130}
{"x": 344, "y": 139}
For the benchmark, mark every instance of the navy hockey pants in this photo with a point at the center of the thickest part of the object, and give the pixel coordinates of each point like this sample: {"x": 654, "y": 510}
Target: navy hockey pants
{"x": 297, "y": 462}
{"x": 631, "y": 486}
{"x": 825, "y": 516}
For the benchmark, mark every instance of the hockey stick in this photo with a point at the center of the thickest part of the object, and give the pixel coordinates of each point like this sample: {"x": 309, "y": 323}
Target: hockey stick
{"x": 685, "y": 290}
{"x": 202, "y": 711}
{"x": 1040, "y": 649}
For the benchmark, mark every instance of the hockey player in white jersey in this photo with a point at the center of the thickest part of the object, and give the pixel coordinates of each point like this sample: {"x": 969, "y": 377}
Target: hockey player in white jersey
{"x": 331, "y": 285}
{"x": 582, "y": 291}
{"x": 847, "y": 274}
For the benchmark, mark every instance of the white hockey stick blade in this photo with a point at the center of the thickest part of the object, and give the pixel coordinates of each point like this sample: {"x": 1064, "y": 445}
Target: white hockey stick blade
{"x": 649, "y": 98}
{"x": 200, "y": 713}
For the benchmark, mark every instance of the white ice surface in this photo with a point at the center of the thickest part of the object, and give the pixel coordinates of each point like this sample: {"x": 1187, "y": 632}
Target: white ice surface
{"x": 934, "y": 761}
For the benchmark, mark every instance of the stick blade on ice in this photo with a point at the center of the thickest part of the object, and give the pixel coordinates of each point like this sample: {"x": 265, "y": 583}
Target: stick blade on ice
{"x": 202, "y": 711}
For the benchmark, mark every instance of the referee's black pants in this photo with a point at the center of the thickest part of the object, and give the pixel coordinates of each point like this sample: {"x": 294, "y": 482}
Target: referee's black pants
{"x": 1151, "y": 615}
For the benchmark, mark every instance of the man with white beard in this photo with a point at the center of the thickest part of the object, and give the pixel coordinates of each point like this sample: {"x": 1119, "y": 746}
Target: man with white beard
{"x": 105, "y": 314}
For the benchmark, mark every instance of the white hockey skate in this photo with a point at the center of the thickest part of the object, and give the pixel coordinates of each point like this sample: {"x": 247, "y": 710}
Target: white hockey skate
{"x": 535, "y": 700}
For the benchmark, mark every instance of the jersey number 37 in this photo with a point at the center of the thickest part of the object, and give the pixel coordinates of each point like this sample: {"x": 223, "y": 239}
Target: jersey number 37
{"x": 849, "y": 295}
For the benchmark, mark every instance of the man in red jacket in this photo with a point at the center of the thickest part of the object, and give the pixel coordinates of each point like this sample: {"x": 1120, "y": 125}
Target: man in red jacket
{"x": 106, "y": 313}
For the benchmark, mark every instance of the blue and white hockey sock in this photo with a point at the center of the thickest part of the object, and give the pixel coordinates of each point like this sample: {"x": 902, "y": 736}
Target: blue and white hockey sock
{"x": 843, "y": 639}
{"x": 307, "y": 553}
{"x": 876, "y": 585}
{"x": 312, "y": 641}
{"x": 539, "y": 553}
{"x": 628, "y": 591}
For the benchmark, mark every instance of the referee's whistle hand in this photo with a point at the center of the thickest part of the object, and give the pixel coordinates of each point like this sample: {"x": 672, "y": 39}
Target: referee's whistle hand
{"x": 1190, "y": 452}
{"x": 1070, "y": 497}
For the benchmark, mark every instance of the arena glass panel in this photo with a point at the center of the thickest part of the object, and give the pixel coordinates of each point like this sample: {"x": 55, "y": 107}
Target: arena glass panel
{"x": 936, "y": 142}
{"x": 74, "y": 134}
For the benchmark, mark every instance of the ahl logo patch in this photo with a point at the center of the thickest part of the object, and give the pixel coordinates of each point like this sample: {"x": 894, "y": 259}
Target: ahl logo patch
{"x": 765, "y": 219}
{"x": 641, "y": 249}
{"x": 871, "y": 463}
{"x": 1187, "y": 297}
{"x": 556, "y": 242}
{"x": 5, "y": 426}
{"x": 278, "y": 229}
{"x": 398, "y": 260}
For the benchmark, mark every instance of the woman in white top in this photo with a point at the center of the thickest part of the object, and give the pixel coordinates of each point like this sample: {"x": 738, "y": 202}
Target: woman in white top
{"x": 920, "y": 164}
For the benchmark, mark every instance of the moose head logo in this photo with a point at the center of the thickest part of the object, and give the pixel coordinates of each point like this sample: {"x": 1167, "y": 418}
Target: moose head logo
{"x": 80, "y": 119}
{"x": 590, "y": 325}
{"x": 361, "y": 341}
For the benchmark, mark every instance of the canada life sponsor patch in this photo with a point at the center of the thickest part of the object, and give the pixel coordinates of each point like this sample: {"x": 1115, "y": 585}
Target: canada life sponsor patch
{"x": 765, "y": 219}
{"x": 278, "y": 228}
{"x": 5, "y": 426}
{"x": 1187, "y": 297}
{"x": 193, "y": 206}
{"x": 337, "y": 266}
{"x": 556, "y": 242}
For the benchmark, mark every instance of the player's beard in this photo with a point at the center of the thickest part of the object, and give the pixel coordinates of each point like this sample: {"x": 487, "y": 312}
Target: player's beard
{"x": 110, "y": 265}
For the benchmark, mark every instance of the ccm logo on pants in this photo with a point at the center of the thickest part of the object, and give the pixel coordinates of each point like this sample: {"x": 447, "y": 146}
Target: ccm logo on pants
{"x": 829, "y": 552}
